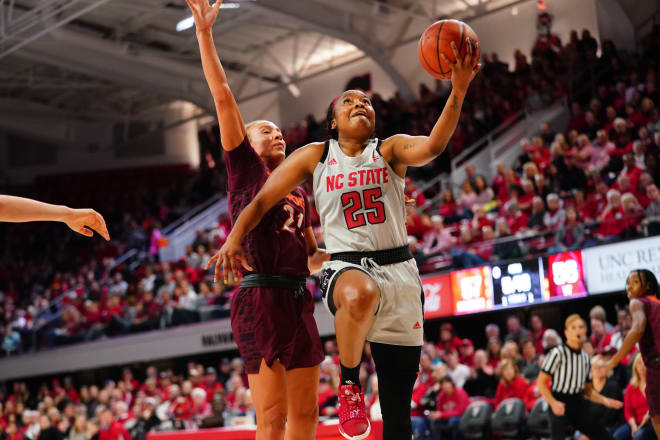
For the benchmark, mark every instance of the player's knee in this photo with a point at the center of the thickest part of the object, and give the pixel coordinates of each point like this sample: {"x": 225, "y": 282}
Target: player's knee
{"x": 273, "y": 419}
{"x": 304, "y": 414}
{"x": 362, "y": 301}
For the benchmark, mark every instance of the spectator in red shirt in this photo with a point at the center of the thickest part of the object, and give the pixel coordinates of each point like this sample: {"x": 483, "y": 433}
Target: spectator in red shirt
{"x": 635, "y": 406}
{"x": 537, "y": 331}
{"x": 499, "y": 181}
{"x": 211, "y": 384}
{"x": 412, "y": 192}
{"x": 479, "y": 220}
{"x": 532, "y": 395}
{"x": 201, "y": 408}
{"x": 517, "y": 220}
{"x": 448, "y": 340}
{"x": 71, "y": 392}
{"x": 415, "y": 225}
{"x": 111, "y": 429}
{"x": 632, "y": 171}
{"x": 612, "y": 222}
{"x": 526, "y": 198}
{"x": 632, "y": 214}
{"x": 452, "y": 403}
{"x": 12, "y": 432}
{"x": 597, "y": 201}
{"x": 599, "y": 336}
{"x": 327, "y": 397}
{"x": 422, "y": 384}
{"x": 512, "y": 384}
{"x": 448, "y": 207}
{"x": 467, "y": 353}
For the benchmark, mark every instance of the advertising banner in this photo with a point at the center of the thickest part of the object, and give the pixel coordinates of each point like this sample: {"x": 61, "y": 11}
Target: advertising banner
{"x": 472, "y": 290}
{"x": 566, "y": 275}
{"x": 438, "y": 299}
{"x": 607, "y": 267}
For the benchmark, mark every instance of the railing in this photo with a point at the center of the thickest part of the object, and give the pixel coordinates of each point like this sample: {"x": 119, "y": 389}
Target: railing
{"x": 134, "y": 257}
{"x": 487, "y": 139}
{"x": 192, "y": 213}
{"x": 183, "y": 233}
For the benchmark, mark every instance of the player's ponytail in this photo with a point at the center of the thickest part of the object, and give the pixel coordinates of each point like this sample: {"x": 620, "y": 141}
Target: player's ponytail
{"x": 333, "y": 133}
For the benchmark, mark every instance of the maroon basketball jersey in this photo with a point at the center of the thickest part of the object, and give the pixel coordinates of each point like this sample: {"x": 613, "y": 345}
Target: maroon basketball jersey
{"x": 649, "y": 346}
{"x": 277, "y": 245}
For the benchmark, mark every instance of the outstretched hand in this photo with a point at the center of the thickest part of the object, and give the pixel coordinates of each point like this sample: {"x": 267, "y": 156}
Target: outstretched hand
{"x": 203, "y": 13}
{"x": 462, "y": 71}
{"x": 85, "y": 221}
{"x": 227, "y": 258}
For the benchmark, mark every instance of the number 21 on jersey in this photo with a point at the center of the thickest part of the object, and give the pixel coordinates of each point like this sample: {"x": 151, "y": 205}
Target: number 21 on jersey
{"x": 288, "y": 224}
{"x": 363, "y": 207}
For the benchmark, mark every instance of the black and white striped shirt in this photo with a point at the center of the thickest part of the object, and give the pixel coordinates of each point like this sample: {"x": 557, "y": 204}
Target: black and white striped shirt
{"x": 570, "y": 369}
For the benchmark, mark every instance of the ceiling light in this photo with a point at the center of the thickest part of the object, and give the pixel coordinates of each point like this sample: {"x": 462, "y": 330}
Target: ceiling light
{"x": 295, "y": 91}
{"x": 189, "y": 22}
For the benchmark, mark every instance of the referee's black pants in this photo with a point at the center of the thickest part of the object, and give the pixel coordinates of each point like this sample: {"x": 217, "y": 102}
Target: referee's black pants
{"x": 575, "y": 415}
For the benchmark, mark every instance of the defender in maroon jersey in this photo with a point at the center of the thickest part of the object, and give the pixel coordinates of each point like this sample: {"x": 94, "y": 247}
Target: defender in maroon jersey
{"x": 644, "y": 293}
{"x": 272, "y": 315}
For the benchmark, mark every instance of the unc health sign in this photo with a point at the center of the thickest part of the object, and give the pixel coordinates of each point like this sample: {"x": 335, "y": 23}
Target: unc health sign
{"x": 606, "y": 267}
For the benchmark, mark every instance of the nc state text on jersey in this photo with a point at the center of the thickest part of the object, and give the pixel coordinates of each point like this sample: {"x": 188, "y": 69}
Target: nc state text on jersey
{"x": 376, "y": 176}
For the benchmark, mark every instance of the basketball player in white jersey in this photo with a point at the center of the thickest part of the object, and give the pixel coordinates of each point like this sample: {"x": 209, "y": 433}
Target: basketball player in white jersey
{"x": 371, "y": 285}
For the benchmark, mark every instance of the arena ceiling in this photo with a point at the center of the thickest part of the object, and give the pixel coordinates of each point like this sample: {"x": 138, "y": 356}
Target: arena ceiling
{"x": 119, "y": 58}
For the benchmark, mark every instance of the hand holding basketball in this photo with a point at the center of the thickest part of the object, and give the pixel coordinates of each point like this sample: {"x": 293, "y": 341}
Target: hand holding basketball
{"x": 463, "y": 70}
{"x": 453, "y": 39}
{"x": 203, "y": 13}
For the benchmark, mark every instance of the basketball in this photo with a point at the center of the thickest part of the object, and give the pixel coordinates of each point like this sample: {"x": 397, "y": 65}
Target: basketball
{"x": 435, "y": 40}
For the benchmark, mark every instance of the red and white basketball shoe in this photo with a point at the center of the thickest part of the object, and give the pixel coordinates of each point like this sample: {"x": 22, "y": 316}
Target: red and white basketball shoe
{"x": 353, "y": 421}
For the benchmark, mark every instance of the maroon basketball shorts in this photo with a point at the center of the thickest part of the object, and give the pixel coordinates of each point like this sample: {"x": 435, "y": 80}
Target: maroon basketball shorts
{"x": 272, "y": 323}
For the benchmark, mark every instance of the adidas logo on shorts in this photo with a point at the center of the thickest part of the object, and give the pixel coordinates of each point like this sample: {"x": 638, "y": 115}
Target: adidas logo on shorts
{"x": 417, "y": 326}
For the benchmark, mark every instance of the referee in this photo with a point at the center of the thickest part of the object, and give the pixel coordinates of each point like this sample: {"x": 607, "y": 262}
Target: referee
{"x": 569, "y": 369}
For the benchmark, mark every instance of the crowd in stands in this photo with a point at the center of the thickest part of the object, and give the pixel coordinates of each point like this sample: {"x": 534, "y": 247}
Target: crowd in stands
{"x": 453, "y": 374}
{"x": 56, "y": 287}
{"x": 594, "y": 183}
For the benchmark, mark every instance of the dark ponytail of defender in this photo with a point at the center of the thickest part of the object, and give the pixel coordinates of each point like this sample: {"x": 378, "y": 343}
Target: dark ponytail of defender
{"x": 649, "y": 281}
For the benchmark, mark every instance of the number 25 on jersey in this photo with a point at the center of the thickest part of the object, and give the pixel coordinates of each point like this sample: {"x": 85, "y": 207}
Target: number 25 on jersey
{"x": 363, "y": 207}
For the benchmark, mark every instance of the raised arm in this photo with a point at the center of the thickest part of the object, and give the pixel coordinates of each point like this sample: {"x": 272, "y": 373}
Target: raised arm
{"x": 634, "y": 335}
{"x": 232, "y": 130}
{"x": 82, "y": 221}
{"x": 419, "y": 150}
{"x": 288, "y": 175}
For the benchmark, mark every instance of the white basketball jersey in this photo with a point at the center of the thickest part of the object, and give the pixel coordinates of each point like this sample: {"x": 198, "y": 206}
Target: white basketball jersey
{"x": 360, "y": 201}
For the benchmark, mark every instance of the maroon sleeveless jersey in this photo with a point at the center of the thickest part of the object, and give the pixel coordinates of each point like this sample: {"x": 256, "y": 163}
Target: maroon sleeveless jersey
{"x": 277, "y": 245}
{"x": 649, "y": 346}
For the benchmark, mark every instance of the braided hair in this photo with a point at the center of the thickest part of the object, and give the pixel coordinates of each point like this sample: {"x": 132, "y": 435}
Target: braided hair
{"x": 648, "y": 281}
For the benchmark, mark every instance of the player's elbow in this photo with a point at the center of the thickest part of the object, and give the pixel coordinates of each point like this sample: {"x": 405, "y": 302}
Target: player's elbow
{"x": 222, "y": 95}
